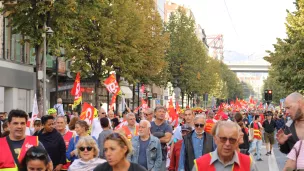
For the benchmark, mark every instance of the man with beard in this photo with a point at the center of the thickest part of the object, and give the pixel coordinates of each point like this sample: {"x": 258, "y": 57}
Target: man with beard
{"x": 294, "y": 130}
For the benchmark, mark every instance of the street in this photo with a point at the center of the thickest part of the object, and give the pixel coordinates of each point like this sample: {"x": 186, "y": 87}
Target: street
{"x": 274, "y": 162}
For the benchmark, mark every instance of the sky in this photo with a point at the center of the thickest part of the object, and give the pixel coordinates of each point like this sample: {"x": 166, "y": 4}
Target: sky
{"x": 251, "y": 29}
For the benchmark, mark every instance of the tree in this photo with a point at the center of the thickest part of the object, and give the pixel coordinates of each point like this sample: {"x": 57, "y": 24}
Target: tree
{"x": 287, "y": 60}
{"x": 186, "y": 56}
{"x": 125, "y": 36}
{"x": 28, "y": 19}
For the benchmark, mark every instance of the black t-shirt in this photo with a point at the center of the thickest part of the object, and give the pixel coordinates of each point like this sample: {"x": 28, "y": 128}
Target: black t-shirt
{"x": 106, "y": 167}
{"x": 269, "y": 127}
{"x": 17, "y": 145}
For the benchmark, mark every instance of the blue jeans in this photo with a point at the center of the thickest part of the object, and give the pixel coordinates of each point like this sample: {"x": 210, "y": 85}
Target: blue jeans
{"x": 256, "y": 144}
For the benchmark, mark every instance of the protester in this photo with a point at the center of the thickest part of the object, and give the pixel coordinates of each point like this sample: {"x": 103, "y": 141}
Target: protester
{"x": 59, "y": 107}
{"x": 111, "y": 115}
{"x": 96, "y": 128}
{"x": 195, "y": 144}
{"x": 53, "y": 142}
{"x": 295, "y": 157}
{"x": 209, "y": 122}
{"x": 104, "y": 122}
{"x": 269, "y": 127}
{"x": 225, "y": 157}
{"x": 60, "y": 125}
{"x": 116, "y": 149}
{"x": 36, "y": 158}
{"x": 14, "y": 143}
{"x": 131, "y": 129}
{"x": 294, "y": 130}
{"x": 2, "y": 120}
{"x": 256, "y": 141}
{"x": 87, "y": 151}
{"x": 161, "y": 130}
{"x": 115, "y": 122}
{"x": 52, "y": 112}
{"x": 146, "y": 148}
{"x": 72, "y": 124}
{"x": 188, "y": 116}
{"x": 175, "y": 153}
{"x": 244, "y": 145}
{"x": 81, "y": 128}
{"x": 5, "y": 129}
{"x": 37, "y": 126}
{"x": 149, "y": 114}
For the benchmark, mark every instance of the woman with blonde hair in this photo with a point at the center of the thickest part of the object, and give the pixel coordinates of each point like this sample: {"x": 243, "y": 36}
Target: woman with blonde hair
{"x": 81, "y": 128}
{"x": 116, "y": 149}
{"x": 87, "y": 152}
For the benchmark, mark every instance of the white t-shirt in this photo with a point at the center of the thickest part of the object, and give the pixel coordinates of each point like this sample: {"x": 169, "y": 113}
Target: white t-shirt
{"x": 96, "y": 127}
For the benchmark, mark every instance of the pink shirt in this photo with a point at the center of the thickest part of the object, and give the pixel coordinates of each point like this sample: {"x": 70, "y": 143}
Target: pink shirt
{"x": 292, "y": 155}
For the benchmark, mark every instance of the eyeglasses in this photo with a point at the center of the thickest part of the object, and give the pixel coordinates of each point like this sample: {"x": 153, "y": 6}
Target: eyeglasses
{"x": 231, "y": 140}
{"x": 103, "y": 113}
{"x": 83, "y": 148}
{"x": 199, "y": 125}
{"x": 147, "y": 114}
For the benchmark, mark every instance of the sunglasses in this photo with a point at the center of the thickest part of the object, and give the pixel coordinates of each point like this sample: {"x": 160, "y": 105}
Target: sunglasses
{"x": 147, "y": 114}
{"x": 34, "y": 155}
{"x": 83, "y": 148}
{"x": 231, "y": 140}
{"x": 103, "y": 113}
{"x": 199, "y": 125}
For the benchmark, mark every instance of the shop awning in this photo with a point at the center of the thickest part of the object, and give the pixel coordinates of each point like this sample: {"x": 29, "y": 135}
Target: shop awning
{"x": 126, "y": 92}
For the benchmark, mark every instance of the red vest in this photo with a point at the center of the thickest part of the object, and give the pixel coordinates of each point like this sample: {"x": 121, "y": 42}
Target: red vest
{"x": 7, "y": 161}
{"x": 66, "y": 139}
{"x": 209, "y": 125}
{"x": 128, "y": 132}
{"x": 256, "y": 131}
{"x": 203, "y": 163}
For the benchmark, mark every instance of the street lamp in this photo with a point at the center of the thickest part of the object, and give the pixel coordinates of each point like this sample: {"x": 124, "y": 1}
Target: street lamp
{"x": 47, "y": 31}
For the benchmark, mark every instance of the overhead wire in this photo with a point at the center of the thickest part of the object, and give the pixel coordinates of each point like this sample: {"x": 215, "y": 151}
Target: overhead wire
{"x": 231, "y": 19}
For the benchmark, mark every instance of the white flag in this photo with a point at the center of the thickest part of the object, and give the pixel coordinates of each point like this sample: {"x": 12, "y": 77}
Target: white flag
{"x": 35, "y": 111}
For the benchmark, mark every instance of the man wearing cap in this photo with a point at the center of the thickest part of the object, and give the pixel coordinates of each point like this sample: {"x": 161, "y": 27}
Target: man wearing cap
{"x": 269, "y": 127}
{"x": 185, "y": 129}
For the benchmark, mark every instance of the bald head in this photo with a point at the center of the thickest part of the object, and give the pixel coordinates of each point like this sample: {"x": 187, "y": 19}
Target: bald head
{"x": 294, "y": 105}
{"x": 294, "y": 97}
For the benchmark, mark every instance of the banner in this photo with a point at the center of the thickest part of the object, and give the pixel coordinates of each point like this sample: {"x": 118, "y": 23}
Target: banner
{"x": 172, "y": 112}
{"x": 76, "y": 91}
{"x": 113, "y": 87}
{"x": 88, "y": 113}
{"x": 35, "y": 111}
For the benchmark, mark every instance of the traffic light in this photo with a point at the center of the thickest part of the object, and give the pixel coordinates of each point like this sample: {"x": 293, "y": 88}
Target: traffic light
{"x": 268, "y": 95}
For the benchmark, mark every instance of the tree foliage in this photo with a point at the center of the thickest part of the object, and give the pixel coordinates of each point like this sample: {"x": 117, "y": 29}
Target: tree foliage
{"x": 28, "y": 19}
{"x": 190, "y": 67}
{"x": 287, "y": 59}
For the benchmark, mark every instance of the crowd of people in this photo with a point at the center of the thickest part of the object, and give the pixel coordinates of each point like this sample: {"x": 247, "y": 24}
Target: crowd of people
{"x": 209, "y": 140}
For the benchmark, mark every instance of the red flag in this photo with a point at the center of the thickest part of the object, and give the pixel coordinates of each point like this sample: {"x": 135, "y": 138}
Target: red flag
{"x": 251, "y": 100}
{"x": 111, "y": 84}
{"x": 76, "y": 91}
{"x": 144, "y": 104}
{"x": 88, "y": 113}
{"x": 172, "y": 112}
{"x": 113, "y": 100}
{"x": 113, "y": 87}
{"x": 177, "y": 107}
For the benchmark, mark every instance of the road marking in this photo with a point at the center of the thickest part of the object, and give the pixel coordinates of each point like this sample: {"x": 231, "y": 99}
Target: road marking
{"x": 272, "y": 162}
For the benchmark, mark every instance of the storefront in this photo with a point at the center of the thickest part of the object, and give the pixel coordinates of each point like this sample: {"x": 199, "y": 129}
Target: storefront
{"x": 17, "y": 83}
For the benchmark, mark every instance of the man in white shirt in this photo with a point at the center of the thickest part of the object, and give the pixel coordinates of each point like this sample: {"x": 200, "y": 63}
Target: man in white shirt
{"x": 96, "y": 127}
